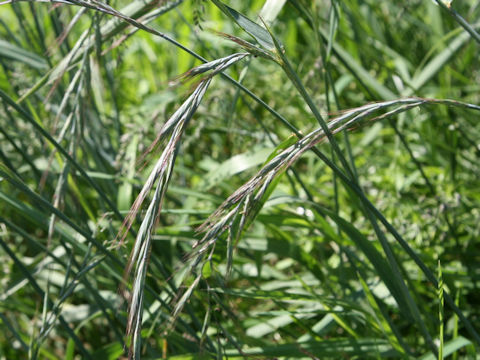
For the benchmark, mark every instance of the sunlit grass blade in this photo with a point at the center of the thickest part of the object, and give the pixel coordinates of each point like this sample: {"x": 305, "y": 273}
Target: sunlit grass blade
{"x": 14, "y": 53}
{"x": 437, "y": 63}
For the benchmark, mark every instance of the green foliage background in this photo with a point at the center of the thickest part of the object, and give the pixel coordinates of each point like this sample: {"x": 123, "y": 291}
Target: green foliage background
{"x": 366, "y": 246}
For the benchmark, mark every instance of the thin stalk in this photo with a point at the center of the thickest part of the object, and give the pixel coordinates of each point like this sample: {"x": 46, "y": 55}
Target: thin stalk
{"x": 381, "y": 236}
{"x": 459, "y": 19}
{"x": 292, "y": 75}
{"x": 61, "y": 150}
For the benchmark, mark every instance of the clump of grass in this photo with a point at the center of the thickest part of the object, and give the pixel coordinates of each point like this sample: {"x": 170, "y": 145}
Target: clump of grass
{"x": 297, "y": 209}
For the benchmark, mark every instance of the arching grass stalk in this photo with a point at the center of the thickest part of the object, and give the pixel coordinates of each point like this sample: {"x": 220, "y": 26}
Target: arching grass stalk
{"x": 372, "y": 216}
{"x": 232, "y": 214}
{"x": 161, "y": 174}
{"x": 459, "y": 19}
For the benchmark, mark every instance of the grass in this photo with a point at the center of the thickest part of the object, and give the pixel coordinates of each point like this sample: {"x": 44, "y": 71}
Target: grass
{"x": 190, "y": 180}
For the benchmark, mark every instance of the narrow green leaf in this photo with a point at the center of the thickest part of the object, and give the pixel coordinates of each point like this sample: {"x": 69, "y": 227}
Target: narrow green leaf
{"x": 449, "y": 348}
{"x": 271, "y": 9}
{"x": 109, "y": 352}
{"x": 125, "y": 190}
{"x": 250, "y": 27}
{"x": 359, "y": 71}
{"x": 437, "y": 63}
{"x": 235, "y": 165}
{"x": 362, "y": 347}
{"x": 15, "y": 53}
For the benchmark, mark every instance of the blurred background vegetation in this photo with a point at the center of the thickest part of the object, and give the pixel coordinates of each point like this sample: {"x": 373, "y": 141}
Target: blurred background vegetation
{"x": 85, "y": 92}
